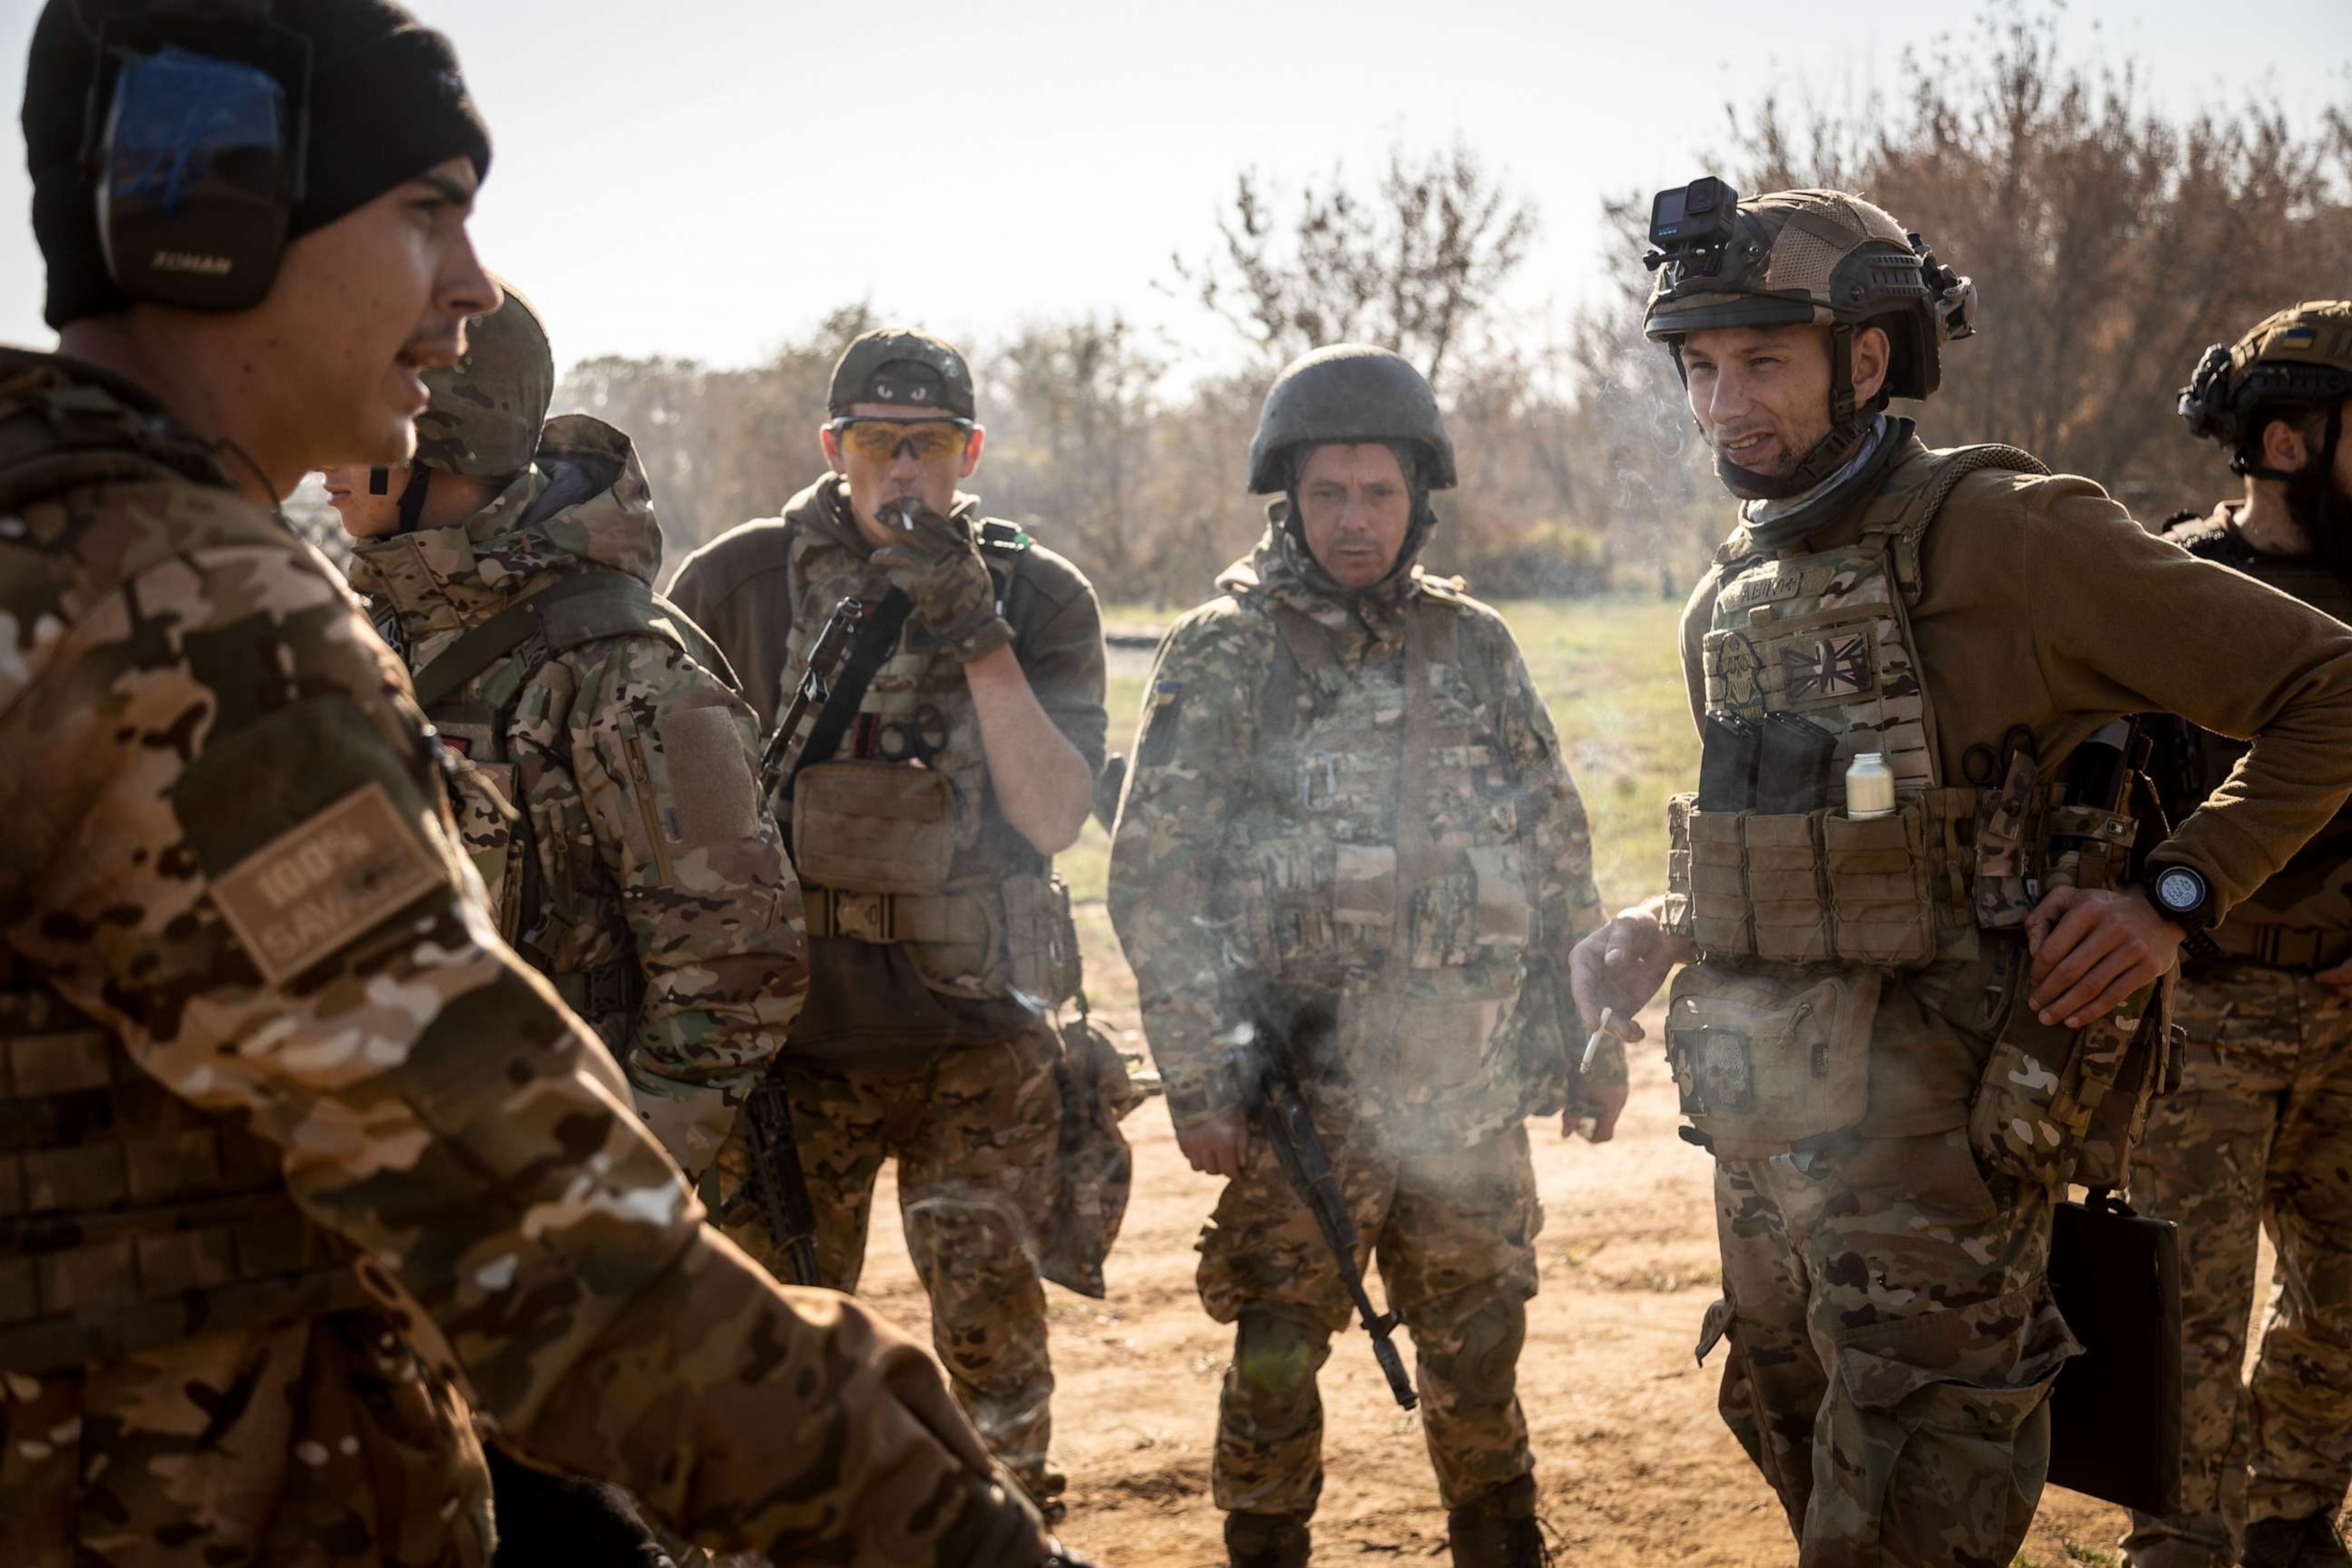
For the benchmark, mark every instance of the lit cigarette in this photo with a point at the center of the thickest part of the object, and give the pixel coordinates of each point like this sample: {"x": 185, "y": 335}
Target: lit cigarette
{"x": 1593, "y": 1046}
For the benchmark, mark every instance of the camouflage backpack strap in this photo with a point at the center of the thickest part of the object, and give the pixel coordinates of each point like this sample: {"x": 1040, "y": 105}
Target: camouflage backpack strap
{"x": 1443, "y": 604}
{"x": 601, "y": 602}
{"x": 1004, "y": 546}
{"x": 1901, "y": 513}
{"x": 1307, "y": 643}
{"x": 581, "y": 608}
{"x": 1312, "y": 662}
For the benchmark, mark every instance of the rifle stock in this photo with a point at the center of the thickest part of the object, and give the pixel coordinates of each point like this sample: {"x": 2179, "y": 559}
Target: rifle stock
{"x": 1270, "y": 1091}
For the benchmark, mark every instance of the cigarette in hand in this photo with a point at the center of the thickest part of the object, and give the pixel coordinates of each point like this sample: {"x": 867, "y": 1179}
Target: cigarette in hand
{"x": 1593, "y": 1046}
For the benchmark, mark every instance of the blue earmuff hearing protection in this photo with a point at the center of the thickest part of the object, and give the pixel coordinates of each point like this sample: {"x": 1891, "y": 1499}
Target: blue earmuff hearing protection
{"x": 197, "y": 153}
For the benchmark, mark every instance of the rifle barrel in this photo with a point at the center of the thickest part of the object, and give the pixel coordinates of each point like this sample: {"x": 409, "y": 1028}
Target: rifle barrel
{"x": 1299, "y": 1149}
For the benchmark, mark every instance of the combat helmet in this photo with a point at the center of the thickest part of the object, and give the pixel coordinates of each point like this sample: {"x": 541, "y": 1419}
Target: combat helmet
{"x": 1347, "y": 393}
{"x": 488, "y": 409}
{"x": 1796, "y": 257}
{"x": 2299, "y": 358}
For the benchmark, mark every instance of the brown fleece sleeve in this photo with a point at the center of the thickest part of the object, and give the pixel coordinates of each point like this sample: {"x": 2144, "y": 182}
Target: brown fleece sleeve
{"x": 2125, "y": 621}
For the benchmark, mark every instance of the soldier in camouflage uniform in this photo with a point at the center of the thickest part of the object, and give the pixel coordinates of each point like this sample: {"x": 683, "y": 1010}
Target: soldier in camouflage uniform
{"x": 939, "y": 939}
{"x": 2260, "y": 1132}
{"x": 608, "y": 803}
{"x": 643, "y": 876}
{"x": 1349, "y": 822}
{"x": 298, "y": 1159}
{"x": 1914, "y": 1019}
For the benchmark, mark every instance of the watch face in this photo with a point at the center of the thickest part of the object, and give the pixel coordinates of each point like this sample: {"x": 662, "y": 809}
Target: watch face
{"x": 2180, "y": 889}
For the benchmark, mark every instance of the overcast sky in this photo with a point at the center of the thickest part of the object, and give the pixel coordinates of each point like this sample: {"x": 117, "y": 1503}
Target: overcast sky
{"x": 707, "y": 177}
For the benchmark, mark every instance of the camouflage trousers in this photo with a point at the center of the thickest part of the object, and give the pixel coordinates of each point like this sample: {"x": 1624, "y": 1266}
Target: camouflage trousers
{"x": 1453, "y": 1236}
{"x": 1892, "y": 1348}
{"x": 2259, "y": 1134}
{"x": 975, "y": 1133}
{"x": 327, "y": 1443}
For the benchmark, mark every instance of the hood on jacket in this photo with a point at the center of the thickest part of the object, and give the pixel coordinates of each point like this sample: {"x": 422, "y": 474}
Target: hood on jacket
{"x": 1283, "y": 569}
{"x": 583, "y": 502}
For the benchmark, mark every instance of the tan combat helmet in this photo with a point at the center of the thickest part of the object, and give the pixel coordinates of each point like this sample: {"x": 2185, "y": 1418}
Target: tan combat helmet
{"x": 488, "y": 409}
{"x": 2299, "y": 358}
{"x": 1792, "y": 257}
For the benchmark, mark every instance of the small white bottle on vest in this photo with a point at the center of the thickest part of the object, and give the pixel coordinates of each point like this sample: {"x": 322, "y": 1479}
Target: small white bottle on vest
{"x": 1869, "y": 787}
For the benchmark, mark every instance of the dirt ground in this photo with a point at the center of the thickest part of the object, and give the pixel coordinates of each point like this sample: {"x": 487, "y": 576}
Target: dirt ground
{"x": 1633, "y": 1465}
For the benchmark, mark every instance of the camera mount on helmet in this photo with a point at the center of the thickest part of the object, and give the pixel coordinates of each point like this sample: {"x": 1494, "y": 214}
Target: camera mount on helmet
{"x": 1804, "y": 257}
{"x": 1692, "y": 225}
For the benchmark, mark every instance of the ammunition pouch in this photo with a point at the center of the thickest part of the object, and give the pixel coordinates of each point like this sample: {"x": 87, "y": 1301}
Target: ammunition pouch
{"x": 1819, "y": 887}
{"x": 884, "y": 827}
{"x": 1098, "y": 1167}
{"x": 1041, "y": 939}
{"x": 2056, "y": 1105}
{"x": 1765, "y": 1062}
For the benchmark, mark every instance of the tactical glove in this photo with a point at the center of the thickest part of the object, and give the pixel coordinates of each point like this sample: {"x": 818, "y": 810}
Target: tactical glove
{"x": 937, "y": 563}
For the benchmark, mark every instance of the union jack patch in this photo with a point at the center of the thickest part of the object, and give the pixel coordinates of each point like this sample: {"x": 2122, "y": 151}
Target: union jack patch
{"x": 1834, "y": 665}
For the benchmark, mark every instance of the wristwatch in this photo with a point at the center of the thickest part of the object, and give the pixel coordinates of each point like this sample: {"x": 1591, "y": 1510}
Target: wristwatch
{"x": 2179, "y": 894}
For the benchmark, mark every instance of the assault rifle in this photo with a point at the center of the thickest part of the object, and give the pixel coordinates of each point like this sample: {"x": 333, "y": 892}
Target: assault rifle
{"x": 778, "y": 1184}
{"x": 816, "y": 684}
{"x": 1270, "y": 1093}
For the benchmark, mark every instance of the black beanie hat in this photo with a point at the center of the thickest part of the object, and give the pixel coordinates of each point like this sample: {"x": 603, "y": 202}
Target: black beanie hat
{"x": 386, "y": 103}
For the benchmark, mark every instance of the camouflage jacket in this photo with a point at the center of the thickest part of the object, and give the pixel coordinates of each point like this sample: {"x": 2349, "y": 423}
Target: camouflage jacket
{"x": 635, "y": 768}
{"x": 1259, "y": 853}
{"x": 227, "y": 845}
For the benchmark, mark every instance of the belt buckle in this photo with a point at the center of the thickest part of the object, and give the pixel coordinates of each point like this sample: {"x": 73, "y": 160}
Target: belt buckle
{"x": 865, "y": 916}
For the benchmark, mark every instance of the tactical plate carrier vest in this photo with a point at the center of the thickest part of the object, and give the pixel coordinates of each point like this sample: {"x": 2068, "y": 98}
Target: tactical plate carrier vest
{"x": 1801, "y": 916}
{"x": 129, "y": 1217}
{"x": 893, "y": 837}
{"x": 499, "y": 839}
{"x": 2301, "y": 918}
{"x": 1384, "y": 844}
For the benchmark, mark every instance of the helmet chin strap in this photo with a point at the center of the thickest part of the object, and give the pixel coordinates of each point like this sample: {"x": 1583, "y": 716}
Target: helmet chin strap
{"x": 1416, "y": 533}
{"x": 411, "y": 500}
{"x": 1849, "y": 427}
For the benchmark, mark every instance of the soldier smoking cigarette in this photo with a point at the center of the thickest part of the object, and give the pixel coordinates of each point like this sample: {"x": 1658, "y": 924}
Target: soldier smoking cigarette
{"x": 1593, "y": 1045}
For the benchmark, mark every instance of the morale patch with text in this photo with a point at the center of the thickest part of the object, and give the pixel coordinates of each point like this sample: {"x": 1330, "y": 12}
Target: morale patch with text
{"x": 321, "y": 884}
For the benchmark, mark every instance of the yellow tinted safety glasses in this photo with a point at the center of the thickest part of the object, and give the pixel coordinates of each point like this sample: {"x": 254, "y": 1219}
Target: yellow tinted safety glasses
{"x": 881, "y": 441}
